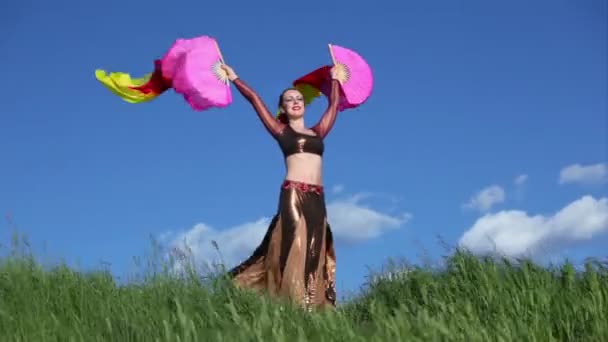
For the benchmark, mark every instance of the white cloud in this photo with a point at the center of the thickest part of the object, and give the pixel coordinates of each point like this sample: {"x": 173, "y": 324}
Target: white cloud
{"x": 353, "y": 221}
{"x": 233, "y": 243}
{"x": 486, "y": 198}
{"x": 588, "y": 174}
{"x": 515, "y": 233}
{"x": 350, "y": 220}
{"x": 521, "y": 179}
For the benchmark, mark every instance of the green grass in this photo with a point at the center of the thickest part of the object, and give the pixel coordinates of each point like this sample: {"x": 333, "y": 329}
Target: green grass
{"x": 466, "y": 299}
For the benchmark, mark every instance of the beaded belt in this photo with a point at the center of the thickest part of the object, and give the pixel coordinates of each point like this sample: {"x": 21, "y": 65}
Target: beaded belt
{"x": 304, "y": 187}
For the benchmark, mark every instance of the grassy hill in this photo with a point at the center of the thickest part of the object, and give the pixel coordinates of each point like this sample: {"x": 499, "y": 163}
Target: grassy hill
{"x": 467, "y": 299}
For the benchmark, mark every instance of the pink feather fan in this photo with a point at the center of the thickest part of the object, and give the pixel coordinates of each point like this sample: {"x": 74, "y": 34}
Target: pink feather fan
{"x": 193, "y": 65}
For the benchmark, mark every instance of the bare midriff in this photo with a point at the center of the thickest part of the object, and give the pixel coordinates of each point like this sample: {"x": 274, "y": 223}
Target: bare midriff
{"x": 305, "y": 168}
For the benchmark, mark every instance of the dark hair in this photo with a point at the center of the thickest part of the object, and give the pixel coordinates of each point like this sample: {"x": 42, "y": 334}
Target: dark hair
{"x": 283, "y": 117}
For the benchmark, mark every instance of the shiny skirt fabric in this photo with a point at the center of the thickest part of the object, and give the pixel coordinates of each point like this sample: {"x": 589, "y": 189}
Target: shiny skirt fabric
{"x": 296, "y": 258}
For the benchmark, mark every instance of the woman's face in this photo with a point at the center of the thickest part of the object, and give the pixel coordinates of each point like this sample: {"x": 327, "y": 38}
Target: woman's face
{"x": 293, "y": 104}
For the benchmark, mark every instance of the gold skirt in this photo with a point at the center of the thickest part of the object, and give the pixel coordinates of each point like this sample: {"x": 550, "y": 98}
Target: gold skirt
{"x": 296, "y": 258}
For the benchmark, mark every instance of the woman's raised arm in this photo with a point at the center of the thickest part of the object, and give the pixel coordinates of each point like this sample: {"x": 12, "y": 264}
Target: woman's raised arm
{"x": 326, "y": 123}
{"x": 273, "y": 126}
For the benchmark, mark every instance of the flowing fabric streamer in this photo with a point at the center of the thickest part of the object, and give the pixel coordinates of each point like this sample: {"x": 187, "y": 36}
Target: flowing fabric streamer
{"x": 191, "y": 67}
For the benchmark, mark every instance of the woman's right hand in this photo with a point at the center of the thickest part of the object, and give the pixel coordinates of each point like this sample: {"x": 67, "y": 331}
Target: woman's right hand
{"x": 229, "y": 72}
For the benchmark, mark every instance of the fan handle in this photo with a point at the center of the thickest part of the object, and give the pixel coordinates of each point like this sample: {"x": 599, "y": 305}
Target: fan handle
{"x": 331, "y": 53}
{"x": 337, "y": 65}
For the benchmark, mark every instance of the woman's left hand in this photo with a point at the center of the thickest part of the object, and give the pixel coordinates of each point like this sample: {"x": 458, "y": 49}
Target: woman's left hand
{"x": 229, "y": 72}
{"x": 334, "y": 73}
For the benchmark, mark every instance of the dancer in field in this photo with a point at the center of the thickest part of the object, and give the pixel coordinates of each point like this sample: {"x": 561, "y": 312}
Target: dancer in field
{"x": 296, "y": 257}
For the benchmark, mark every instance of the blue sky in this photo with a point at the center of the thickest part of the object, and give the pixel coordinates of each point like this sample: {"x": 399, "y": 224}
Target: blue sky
{"x": 469, "y": 96}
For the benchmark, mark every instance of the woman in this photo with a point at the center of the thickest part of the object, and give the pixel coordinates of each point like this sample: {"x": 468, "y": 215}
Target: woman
{"x": 296, "y": 258}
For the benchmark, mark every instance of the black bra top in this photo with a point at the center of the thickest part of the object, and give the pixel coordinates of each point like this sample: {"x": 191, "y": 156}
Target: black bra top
{"x": 292, "y": 142}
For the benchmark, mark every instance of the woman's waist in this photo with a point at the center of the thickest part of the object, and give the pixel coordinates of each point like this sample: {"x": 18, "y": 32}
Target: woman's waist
{"x": 304, "y": 175}
{"x": 307, "y": 171}
{"x": 304, "y": 171}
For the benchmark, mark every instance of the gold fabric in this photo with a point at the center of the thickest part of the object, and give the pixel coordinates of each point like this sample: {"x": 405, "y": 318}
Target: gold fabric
{"x": 296, "y": 259}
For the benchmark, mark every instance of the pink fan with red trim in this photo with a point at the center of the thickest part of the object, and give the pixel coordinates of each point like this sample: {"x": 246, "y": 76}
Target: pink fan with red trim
{"x": 354, "y": 73}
